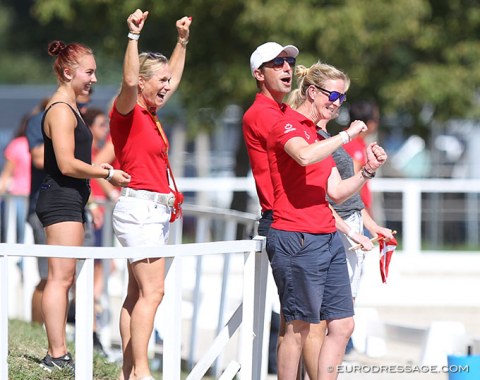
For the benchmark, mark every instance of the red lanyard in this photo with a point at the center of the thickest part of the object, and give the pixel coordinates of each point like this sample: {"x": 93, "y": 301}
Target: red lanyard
{"x": 164, "y": 137}
{"x": 160, "y": 129}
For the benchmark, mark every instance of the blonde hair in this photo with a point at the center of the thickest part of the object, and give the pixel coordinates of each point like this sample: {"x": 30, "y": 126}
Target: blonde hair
{"x": 316, "y": 75}
{"x": 150, "y": 63}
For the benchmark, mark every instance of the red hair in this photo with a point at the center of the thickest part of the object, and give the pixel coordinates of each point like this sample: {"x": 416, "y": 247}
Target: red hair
{"x": 68, "y": 56}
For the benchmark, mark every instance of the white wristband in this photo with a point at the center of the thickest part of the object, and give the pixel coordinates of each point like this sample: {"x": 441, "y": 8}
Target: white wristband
{"x": 111, "y": 172}
{"x": 345, "y": 136}
{"x": 133, "y": 36}
{"x": 351, "y": 233}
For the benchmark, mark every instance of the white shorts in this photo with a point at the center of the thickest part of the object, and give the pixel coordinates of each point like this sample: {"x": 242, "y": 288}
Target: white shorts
{"x": 140, "y": 223}
{"x": 354, "y": 258}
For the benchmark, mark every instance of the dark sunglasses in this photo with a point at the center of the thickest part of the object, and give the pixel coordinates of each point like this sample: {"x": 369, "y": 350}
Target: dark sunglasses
{"x": 333, "y": 96}
{"x": 280, "y": 61}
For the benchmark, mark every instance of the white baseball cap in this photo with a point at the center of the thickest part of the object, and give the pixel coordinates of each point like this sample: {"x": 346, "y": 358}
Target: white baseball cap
{"x": 269, "y": 51}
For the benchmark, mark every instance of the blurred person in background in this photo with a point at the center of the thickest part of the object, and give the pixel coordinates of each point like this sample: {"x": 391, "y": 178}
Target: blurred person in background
{"x": 15, "y": 177}
{"x": 368, "y": 112}
{"x": 33, "y": 132}
{"x": 101, "y": 192}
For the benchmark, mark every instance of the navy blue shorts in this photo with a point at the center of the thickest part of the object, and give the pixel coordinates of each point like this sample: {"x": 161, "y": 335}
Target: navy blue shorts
{"x": 311, "y": 274}
{"x": 62, "y": 202}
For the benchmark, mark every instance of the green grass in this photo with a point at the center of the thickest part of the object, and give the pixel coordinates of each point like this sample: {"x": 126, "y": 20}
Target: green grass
{"x": 27, "y": 345}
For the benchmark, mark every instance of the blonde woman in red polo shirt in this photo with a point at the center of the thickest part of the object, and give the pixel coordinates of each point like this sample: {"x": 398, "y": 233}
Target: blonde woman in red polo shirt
{"x": 306, "y": 254}
{"x": 142, "y": 214}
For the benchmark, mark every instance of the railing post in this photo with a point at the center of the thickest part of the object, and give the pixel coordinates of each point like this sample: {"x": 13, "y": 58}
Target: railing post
{"x": 247, "y": 331}
{"x": 84, "y": 320}
{"x": 230, "y": 231}
{"x": 412, "y": 218}
{"x": 172, "y": 358}
{"x": 261, "y": 314}
{"x": 3, "y": 317}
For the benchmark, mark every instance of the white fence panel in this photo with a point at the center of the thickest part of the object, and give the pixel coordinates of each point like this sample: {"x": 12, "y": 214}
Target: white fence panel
{"x": 253, "y": 296}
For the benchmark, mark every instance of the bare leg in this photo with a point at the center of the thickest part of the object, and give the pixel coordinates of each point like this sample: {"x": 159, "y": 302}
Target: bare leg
{"x": 61, "y": 275}
{"x": 125, "y": 316}
{"x": 312, "y": 347}
{"x": 333, "y": 348}
{"x": 37, "y": 301}
{"x": 290, "y": 349}
{"x": 145, "y": 292}
{"x": 150, "y": 278}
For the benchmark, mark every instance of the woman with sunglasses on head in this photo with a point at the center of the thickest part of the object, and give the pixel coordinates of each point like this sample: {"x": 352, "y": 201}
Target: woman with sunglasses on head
{"x": 142, "y": 214}
{"x": 350, "y": 215}
{"x": 306, "y": 254}
{"x": 65, "y": 189}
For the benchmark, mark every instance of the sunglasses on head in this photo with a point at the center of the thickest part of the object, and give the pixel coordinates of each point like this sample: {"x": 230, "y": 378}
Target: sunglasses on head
{"x": 280, "y": 61}
{"x": 153, "y": 55}
{"x": 333, "y": 96}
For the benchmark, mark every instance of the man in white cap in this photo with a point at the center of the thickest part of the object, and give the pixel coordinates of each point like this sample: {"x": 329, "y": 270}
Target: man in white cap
{"x": 272, "y": 67}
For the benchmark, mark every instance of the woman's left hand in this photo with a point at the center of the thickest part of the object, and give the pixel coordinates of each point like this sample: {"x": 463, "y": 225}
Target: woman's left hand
{"x": 376, "y": 157}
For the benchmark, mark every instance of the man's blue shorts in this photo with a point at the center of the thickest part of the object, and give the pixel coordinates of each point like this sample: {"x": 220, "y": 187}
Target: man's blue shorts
{"x": 311, "y": 274}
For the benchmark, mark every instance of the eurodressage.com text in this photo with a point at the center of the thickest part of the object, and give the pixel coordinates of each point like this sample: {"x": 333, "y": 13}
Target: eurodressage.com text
{"x": 402, "y": 369}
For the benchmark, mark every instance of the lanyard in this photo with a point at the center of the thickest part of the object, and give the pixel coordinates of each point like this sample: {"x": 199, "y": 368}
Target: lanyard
{"x": 160, "y": 129}
{"x": 164, "y": 137}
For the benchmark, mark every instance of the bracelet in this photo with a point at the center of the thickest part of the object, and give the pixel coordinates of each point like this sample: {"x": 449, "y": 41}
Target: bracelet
{"x": 366, "y": 174}
{"x": 133, "y": 36}
{"x": 111, "y": 172}
{"x": 351, "y": 233}
{"x": 345, "y": 136}
{"x": 182, "y": 42}
{"x": 370, "y": 172}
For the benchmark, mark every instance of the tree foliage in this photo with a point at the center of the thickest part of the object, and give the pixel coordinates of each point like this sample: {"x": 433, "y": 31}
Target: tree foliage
{"x": 406, "y": 54}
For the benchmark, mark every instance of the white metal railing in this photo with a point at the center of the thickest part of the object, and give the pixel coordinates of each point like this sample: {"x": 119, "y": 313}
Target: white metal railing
{"x": 252, "y": 309}
{"x": 411, "y": 190}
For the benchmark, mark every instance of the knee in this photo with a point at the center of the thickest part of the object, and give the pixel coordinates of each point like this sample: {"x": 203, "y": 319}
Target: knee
{"x": 348, "y": 327}
{"x": 153, "y": 296}
{"x": 63, "y": 282}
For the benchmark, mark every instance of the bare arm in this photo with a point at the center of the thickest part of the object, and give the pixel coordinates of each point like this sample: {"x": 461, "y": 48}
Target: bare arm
{"x": 106, "y": 154}
{"x": 127, "y": 98}
{"x": 356, "y": 236}
{"x": 60, "y": 124}
{"x": 6, "y": 175}
{"x": 36, "y": 154}
{"x": 305, "y": 154}
{"x": 339, "y": 190}
{"x": 373, "y": 227}
{"x": 177, "y": 59}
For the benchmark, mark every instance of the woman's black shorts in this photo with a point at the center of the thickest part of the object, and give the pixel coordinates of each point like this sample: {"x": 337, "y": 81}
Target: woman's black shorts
{"x": 60, "y": 201}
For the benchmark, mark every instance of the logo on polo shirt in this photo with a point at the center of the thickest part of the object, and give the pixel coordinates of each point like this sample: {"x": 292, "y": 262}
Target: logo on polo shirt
{"x": 289, "y": 128}
{"x": 307, "y": 136}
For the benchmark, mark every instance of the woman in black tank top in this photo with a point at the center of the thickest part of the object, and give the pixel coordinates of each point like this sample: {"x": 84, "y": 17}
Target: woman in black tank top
{"x": 65, "y": 190}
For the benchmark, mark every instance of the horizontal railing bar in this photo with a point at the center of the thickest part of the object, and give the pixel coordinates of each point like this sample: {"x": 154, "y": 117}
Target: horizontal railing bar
{"x": 173, "y": 250}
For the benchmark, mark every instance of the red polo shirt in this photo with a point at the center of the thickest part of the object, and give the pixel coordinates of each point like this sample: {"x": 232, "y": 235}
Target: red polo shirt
{"x": 300, "y": 191}
{"x": 257, "y": 122}
{"x": 140, "y": 149}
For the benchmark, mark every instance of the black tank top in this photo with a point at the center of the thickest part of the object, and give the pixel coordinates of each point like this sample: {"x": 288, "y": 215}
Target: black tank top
{"x": 83, "y": 149}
